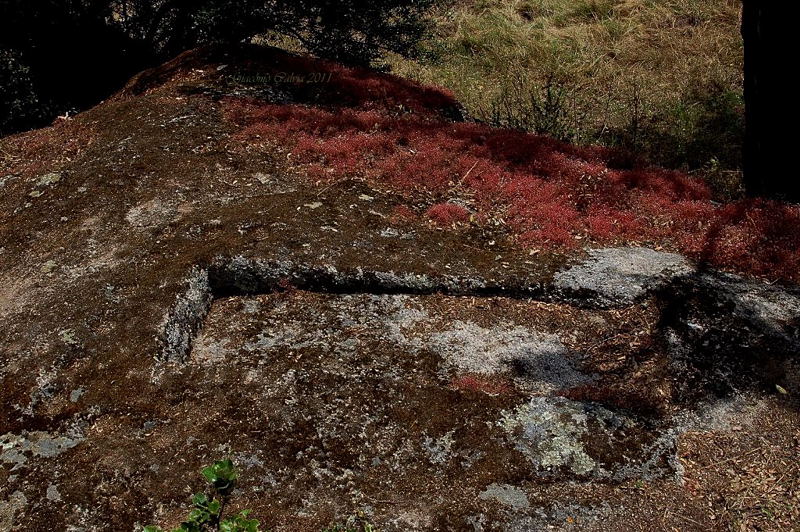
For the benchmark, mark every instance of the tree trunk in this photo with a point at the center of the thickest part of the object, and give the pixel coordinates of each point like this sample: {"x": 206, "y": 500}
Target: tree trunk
{"x": 770, "y": 111}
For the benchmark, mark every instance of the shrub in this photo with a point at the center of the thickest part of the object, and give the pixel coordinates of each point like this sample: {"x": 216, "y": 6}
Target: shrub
{"x": 81, "y": 51}
{"x": 207, "y": 512}
{"x": 19, "y": 103}
{"x": 350, "y": 31}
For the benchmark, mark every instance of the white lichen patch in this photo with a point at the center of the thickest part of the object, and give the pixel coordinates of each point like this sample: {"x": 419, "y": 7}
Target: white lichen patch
{"x": 69, "y": 337}
{"x": 620, "y": 276}
{"x": 440, "y": 449}
{"x": 53, "y": 493}
{"x": 549, "y": 431}
{"x": 17, "y": 502}
{"x": 48, "y": 179}
{"x": 507, "y": 495}
{"x": 190, "y": 308}
{"x": 560, "y": 436}
{"x": 17, "y": 449}
{"x": 402, "y": 317}
{"x": 541, "y": 360}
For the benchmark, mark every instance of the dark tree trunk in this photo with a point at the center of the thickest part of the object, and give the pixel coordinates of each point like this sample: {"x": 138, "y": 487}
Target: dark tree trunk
{"x": 771, "y": 114}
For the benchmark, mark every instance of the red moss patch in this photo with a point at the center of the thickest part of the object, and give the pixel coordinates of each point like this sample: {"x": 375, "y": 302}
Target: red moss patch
{"x": 45, "y": 150}
{"x": 481, "y": 384}
{"x": 446, "y": 214}
{"x": 402, "y": 215}
{"x": 551, "y": 195}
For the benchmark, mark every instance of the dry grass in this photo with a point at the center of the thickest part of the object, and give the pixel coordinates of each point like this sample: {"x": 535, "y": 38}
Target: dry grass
{"x": 660, "y": 77}
{"x": 750, "y": 477}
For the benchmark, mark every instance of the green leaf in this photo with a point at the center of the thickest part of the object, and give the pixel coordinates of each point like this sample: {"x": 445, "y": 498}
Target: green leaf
{"x": 200, "y": 500}
{"x": 781, "y": 390}
{"x": 210, "y": 474}
{"x": 222, "y": 475}
{"x": 239, "y": 523}
{"x": 199, "y": 516}
{"x": 214, "y": 507}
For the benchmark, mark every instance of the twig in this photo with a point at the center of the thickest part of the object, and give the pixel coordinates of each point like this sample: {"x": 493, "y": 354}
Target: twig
{"x": 461, "y": 181}
{"x": 5, "y": 154}
{"x": 684, "y": 518}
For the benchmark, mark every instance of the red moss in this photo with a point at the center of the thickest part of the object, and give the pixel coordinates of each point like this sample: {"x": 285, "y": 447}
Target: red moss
{"x": 482, "y": 384}
{"x": 551, "y": 195}
{"x": 402, "y": 214}
{"x": 446, "y": 214}
{"x": 44, "y": 150}
{"x": 550, "y": 237}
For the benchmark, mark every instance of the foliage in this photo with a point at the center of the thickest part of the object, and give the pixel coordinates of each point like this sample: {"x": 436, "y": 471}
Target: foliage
{"x": 221, "y": 475}
{"x": 72, "y": 57}
{"x": 207, "y": 513}
{"x": 354, "y": 523}
{"x": 663, "y": 79}
{"x": 77, "y": 52}
{"x": 351, "y": 31}
{"x": 18, "y": 101}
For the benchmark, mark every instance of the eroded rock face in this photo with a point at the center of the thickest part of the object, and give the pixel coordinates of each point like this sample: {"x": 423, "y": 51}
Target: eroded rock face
{"x": 518, "y": 358}
{"x": 378, "y": 397}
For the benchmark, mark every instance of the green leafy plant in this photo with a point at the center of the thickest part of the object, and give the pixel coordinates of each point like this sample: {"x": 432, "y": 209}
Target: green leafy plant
{"x": 222, "y": 476}
{"x": 206, "y": 514}
{"x": 354, "y": 523}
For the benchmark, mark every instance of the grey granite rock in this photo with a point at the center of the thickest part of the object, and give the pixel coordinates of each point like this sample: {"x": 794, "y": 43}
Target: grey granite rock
{"x": 620, "y": 276}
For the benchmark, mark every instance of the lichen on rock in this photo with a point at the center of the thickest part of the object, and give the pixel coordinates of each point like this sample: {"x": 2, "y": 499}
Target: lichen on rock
{"x": 620, "y": 276}
{"x": 563, "y": 438}
{"x": 541, "y": 361}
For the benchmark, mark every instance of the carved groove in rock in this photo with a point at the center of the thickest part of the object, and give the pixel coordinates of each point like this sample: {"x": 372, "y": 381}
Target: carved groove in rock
{"x": 239, "y": 276}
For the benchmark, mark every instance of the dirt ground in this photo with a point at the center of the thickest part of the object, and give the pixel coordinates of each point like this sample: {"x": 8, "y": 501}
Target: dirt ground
{"x": 490, "y": 401}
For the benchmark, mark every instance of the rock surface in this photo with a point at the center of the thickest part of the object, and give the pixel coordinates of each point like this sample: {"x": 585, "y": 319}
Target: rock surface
{"x": 167, "y": 300}
{"x": 621, "y": 276}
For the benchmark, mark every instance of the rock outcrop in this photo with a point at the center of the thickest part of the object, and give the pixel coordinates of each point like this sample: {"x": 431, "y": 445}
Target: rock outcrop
{"x": 170, "y": 296}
